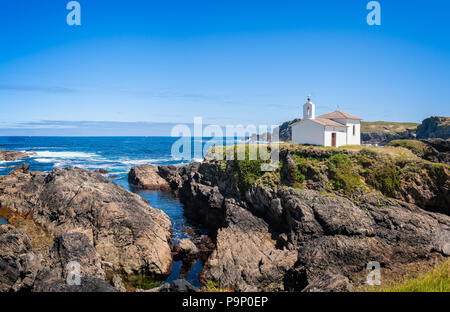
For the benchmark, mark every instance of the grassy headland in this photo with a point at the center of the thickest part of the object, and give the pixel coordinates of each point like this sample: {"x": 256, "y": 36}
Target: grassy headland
{"x": 348, "y": 171}
{"x": 387, "y": 126}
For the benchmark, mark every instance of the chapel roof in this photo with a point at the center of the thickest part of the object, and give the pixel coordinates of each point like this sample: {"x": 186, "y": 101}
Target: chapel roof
{"x": 328, "y": 122}
{"x": 337, "y": 114}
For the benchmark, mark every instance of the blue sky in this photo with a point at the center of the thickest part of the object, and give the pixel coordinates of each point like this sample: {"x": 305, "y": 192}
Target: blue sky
{"x": 231, "y": 62}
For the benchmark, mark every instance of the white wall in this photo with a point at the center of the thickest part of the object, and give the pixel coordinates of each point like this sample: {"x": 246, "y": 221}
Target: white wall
{"x": 308, "y": 132}
{"x": 341, "y": 136}
{"x": 352, "y": 139}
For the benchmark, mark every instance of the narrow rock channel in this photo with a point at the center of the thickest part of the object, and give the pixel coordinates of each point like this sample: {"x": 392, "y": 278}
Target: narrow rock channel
{"x": 181, "y": 227}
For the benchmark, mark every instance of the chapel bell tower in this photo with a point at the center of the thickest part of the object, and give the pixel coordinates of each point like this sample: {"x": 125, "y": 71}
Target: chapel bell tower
{"x": 309, "y": 109}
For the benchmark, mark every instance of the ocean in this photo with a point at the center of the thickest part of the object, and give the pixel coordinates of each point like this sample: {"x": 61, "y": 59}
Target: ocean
{"x": 117, "y": 155}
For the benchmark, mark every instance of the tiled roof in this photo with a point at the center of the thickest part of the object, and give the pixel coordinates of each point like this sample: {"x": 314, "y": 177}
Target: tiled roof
{"x": 328, "y": 122}
{"x": 337, "y": 114}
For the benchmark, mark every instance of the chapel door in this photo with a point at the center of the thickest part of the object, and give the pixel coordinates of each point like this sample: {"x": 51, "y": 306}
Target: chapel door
{"x": 333, "y": 139}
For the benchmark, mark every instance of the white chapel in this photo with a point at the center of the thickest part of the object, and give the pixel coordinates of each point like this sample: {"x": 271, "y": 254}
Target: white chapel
{"x": 333, "y": 129}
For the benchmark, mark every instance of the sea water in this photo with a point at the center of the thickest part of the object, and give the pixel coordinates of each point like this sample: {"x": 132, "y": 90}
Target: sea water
{"x": 117, "y": 155}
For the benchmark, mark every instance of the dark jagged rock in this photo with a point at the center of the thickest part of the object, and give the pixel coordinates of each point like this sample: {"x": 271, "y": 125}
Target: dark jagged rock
{"x": 285, "y": 130}
{"x": 67, "y": 249}
{"x": 19, "y": 265}
{"x": 439, "y": 150}
{"x": 147, "y": 177}
{"x": 92, "y": 220}
{"x": 434, "y": 127}
{"x": 383, "y": 138}
{"x": 12, "y": 156}
{"x": 278, "y": 238}
{"x": 87, "y": 284}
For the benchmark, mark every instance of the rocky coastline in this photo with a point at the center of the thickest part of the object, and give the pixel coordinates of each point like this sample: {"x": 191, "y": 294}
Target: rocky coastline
{"x": 275, "y": 237}
{"x": 300, "y": 228}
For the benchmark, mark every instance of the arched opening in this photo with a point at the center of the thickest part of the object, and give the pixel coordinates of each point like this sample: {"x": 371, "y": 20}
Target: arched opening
{"x": 354, "y": 129}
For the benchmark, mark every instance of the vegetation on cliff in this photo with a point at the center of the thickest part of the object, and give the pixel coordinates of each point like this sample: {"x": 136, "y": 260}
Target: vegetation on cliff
{"x": 395, "y": 171}
{"x": 387, "y": 126}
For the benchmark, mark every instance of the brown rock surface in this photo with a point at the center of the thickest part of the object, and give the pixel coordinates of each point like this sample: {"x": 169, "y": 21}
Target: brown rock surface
{"x": 147, "y": 177}
{"x": 11, "y": 156}
{"x": 91, "y": 219}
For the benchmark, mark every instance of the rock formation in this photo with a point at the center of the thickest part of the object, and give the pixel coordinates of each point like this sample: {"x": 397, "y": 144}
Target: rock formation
{"x": 147, "y": 177}
{"x": 11, "y": 156}
{"x": 83, "y": 217}
{"x": 273, "y": 237}
{"x": 434, "y": 127}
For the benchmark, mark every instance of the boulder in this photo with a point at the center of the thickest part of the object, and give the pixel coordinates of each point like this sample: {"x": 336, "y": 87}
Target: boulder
{"x": 187, "y": 247}
{"x": 185, "y": 250}
{"x": 147, "y": 177}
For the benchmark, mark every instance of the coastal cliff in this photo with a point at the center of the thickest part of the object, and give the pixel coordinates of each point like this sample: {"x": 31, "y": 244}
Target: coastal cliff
{"x": 316, "y": 222}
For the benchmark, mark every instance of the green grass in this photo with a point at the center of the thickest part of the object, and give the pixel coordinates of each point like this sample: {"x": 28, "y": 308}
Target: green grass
{"x": 346, "y": 170}
{"x": 386, "y": 126}
{"x": 141, "y": 281}
{"x": 343, "y": 176}
{"x": 214, "y": 287}
{"x": 247, "y": 171}
{"x": 436, "y": 280}
{"x": 385, "y": 178}
{"x": 417, "y": 147}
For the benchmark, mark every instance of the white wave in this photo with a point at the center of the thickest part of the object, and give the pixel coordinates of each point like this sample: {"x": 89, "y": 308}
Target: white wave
{"x": 144, "y": 161}
{"x": 10, "y": 161}
{"x": 49, "y": 154}
{"x": 45, "y": 160}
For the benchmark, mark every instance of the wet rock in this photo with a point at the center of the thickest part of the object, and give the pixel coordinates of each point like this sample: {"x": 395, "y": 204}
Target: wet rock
{"x": 185, "y": 251}
{"x": 147, "y": 177}
{"x": 12, "y": 156}
{"x": 187, "y": 247}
